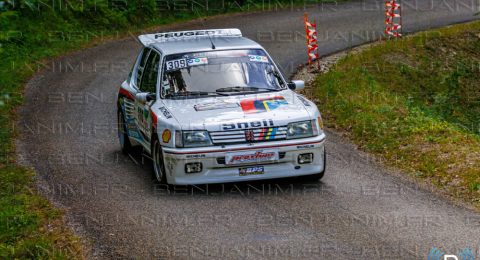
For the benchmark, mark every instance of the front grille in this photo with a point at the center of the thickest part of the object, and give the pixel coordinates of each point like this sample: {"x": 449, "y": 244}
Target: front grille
{"x": 259, "y": 135}
{"x": 221, "y": 160}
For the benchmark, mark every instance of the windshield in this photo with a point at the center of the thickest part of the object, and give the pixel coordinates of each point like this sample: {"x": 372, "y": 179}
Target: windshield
{"x": 219, "y": 73}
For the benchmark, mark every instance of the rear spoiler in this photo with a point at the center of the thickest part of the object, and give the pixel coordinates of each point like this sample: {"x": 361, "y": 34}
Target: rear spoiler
{"x": 148, "y": 39}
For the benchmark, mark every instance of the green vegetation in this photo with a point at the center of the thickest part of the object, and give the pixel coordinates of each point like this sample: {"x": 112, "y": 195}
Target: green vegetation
{"x": 415, "y": 102}
{"x": 32, "y": 31}
{"x": 29, "y": 226}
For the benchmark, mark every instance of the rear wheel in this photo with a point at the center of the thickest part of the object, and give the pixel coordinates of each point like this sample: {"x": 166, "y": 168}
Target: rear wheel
{"x": 125, "y": 144}
{"x": 318, "y": 176}
{"x": 158, "y": 165}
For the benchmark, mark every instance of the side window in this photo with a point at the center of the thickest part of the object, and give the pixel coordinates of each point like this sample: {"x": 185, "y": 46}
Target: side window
{"x": 150, "y": 74}
{"x": 141, "y": 66}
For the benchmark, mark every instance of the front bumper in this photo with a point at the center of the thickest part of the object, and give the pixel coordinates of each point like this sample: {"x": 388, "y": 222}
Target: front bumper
{"x": 214, "y": 170}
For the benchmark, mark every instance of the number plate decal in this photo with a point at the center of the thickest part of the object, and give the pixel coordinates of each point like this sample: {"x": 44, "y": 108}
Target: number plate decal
{"x": 184, "y": 63}
{"x": 251, "y": 157}
{"x": 176, "y": 64}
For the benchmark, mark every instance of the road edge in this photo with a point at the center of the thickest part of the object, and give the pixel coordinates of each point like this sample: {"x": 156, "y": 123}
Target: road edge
{"x": 309, "y": 74}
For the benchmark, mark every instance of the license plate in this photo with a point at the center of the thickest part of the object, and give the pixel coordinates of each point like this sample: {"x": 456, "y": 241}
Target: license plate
{"x": 251, "y": 157}
{"x": 255, "y": 170}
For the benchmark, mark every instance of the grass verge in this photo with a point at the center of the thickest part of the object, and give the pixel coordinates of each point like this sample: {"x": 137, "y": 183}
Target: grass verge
{"x": 416, "y": 103}
{"x": 32, "y": 31}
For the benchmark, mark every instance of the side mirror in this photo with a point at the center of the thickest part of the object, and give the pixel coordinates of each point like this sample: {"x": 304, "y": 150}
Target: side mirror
{"x": 296, "y": 85}
{"x": 145, "y": 97}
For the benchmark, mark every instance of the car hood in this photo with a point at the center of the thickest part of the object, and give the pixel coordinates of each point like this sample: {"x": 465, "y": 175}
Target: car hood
{"x": 238, "y": 111}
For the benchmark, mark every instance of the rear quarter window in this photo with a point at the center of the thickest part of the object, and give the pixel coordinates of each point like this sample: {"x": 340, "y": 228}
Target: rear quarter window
{"x": 141, "y": 66}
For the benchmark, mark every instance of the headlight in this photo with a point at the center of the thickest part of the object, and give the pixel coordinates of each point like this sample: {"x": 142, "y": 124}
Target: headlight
{"x": 192, "y": 139}
{"x": 301, "y": 130}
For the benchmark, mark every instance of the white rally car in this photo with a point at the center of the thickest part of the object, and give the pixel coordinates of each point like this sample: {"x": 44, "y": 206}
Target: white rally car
{"x": 211, "y": 106}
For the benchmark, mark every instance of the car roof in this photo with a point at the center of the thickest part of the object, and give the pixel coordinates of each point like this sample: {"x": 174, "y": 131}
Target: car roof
{"x": 204, "y": 44}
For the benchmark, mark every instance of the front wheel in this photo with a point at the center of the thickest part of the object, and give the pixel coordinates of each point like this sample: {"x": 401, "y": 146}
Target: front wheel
{"x": 158, "y": 165}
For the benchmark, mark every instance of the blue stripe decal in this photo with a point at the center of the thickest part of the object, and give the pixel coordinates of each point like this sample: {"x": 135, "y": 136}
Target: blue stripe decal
{"x": 274, "y": 132}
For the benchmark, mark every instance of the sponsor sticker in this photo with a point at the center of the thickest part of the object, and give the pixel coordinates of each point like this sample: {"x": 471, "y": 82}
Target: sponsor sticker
{"x": 303, "y": 100}
{"x": 192, "y": 34}
{"x": 197, "y": 61}
{"x": 258, "y": 58}
{"x": 251, "y": 157}
{"x": 184, "y": 63}
{"x": 306, "y": 146}
{"x": 195, "y": 156}
{"x": 255, "y": 170}
{"x": 166, "y": 136}
{"x": 215, "y": 105}
{"x": 183, "y": 34}
{"x": 165, "y": 112}
{"x": 252, "y": 124}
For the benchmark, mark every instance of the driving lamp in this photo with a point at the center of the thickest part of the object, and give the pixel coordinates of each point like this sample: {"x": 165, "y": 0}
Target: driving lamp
{"x": 305, "y": 158}
{"x": 193, "y": 167}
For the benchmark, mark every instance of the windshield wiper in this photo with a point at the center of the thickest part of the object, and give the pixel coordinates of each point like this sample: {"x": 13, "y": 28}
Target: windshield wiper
{"x": 244, "y": 88}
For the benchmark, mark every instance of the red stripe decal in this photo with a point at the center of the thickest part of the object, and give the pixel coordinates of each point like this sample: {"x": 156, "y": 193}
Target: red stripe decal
{"x": 246, "y": 148}
{"x": 126, "y": 93}
{"x": 248, "y": 106}
{"x": 260, "y": 137}
{"x": 154, "y": 119}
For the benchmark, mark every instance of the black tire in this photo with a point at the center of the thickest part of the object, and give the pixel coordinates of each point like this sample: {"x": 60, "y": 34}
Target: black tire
{"x": 124, "y": 141}
{"x": 318, "y": 176}
{"x": 157, "y": 161}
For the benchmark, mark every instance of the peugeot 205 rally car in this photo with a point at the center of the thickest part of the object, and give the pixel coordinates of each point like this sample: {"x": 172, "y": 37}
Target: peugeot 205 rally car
{"x": 211, "y": 106}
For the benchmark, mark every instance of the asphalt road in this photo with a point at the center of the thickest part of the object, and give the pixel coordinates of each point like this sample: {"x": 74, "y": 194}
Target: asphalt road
{"x": 359, "y": 210}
